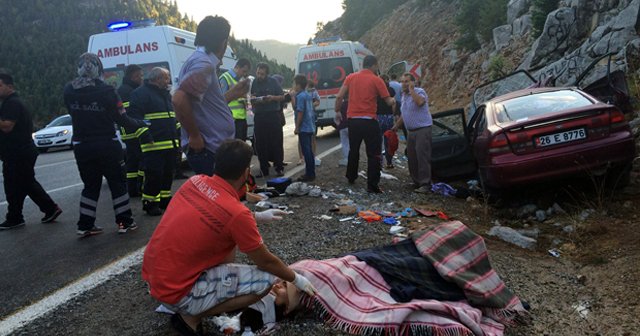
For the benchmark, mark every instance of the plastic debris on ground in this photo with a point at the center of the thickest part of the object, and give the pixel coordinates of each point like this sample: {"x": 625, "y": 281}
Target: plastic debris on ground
{"x": 324, "y": 217}
{"x": 346, "y": 219}
{"x": 298, "y": 189}
{"x": 428, "y": 213}
{"x": 474, "y": 185}
{"x": 227, "y": 325}
{"x": 390, "y": 221}
{"x": 267, "y": 205}
{"x": 315, "y": 192}
{"x": 443, "y": 189}
{"x": 396, "y": 229}
{"x": 554, "y": 253}
{"x": 407, "y": 212}
{"x": 388, "y": 176}
{"x": 369, "y": 216}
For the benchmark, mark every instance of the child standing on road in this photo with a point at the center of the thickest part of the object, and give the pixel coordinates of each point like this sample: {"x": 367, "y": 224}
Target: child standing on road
{"x": 305, "y": 126}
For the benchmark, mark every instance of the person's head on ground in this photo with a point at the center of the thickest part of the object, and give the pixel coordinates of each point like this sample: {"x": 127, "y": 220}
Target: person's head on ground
{"x": 134, "y": 73}
{"x": 160, "y": 77}
{"x": 370, "y": 62}
{"x": 408, "y": 80}
{"x": 233, "y": 161}
{"x": 300, "y": 82}
{"x": 6, "y": 85}
{"x": 262, "y": 71}
{"x": 213, "y": 34}
{"x": 242, "y": 67}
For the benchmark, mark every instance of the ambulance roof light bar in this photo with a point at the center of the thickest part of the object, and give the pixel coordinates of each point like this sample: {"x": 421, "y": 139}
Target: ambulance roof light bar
{"x": 123, "y": 25}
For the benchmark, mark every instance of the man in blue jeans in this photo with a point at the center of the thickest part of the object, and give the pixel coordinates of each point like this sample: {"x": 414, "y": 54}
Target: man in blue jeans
{"x": 200, "y": 106}
{"x": 305, "y": 126}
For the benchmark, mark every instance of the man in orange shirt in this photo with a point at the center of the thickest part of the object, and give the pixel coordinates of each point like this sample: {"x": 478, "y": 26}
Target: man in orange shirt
{"x": 188, "y": 263}
{"x": 364, "y": 88}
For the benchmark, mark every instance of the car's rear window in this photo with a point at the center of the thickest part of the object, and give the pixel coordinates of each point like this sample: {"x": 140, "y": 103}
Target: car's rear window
{"x": 537, "y": 104}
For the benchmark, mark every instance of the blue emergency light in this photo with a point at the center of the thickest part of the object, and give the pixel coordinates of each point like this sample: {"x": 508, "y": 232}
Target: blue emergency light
{"x": 122, "y": 25}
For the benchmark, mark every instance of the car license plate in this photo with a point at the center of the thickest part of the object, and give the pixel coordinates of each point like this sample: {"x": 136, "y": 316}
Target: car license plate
{"x": 562, "y": 137}
{"x": 44, "y": 142}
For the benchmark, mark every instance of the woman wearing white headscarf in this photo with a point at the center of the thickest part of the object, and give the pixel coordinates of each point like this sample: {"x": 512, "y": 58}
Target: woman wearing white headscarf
{"x": 95, "y": 107}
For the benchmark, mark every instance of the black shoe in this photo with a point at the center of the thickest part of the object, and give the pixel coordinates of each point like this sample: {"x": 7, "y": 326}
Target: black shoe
{"x": 11, "y": 224}
{"x": 374, "y": 190}
{"x": 51, "y": 215}
{"x": 279, "y": 173}
{"x": 152, "y": 208}
{"x": 183, "y": 328}
{"x": 305, "y": 178}
{"x": 124, "y": 227}
{"x": 164, "y": 203}
{"x": 95, "y": 230}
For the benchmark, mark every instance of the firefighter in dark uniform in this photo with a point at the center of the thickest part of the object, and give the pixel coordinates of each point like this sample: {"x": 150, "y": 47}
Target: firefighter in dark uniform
{"x": 152, "y": 102}
{"x": 94, "y": 107}
{"x": 133, "y": 77}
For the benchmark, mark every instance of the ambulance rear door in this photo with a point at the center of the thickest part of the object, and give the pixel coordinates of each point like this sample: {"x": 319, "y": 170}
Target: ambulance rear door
{"x": 327, "y": 66}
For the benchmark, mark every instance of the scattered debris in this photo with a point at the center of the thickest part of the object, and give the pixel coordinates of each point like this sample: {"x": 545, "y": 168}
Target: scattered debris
{"x": 315, "y": 192}
{"x": 346, "y": 219}
{"x": 582, "y": 308}
{"x": 369, "y": 216}
{"x": 443, "y": 189}
{"x": 228, "y": 325}
{"x": 388, "y": 176}
{"x": 298, "y": 189}
{"x": 554, "y": 253}
{"x": 390, "y": 221}
{"x": 541, "y": 215}
{"x": 512, "y": 236}
{"x": 526, "y": 211}
{"x": 585, "y": 214}
{"x": 396, "y": 229}
{"x": 324, "y": 217}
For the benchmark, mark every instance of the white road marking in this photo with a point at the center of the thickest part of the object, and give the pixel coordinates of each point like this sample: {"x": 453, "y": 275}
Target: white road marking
{"x": 53, "y": 190}
{"x": 54, "y": 164}
{"x": 28, "y": 314}
{"x": 49, "y": 303}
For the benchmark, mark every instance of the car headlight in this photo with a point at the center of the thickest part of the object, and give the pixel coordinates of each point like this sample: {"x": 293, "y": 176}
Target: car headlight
{"x": 63, "y": 132}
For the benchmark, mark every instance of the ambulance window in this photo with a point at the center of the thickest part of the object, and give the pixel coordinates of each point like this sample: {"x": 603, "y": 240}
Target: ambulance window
{"x": 327, "y": 73}
{"x": 114, "y": 76}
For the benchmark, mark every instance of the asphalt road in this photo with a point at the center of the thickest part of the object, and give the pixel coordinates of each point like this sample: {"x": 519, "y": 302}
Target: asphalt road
{"x": 38, "y": 259}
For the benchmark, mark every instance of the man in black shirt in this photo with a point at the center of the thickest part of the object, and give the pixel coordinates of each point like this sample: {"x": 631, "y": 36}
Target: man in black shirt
{"x": 19, "y": 154}
{"x": 266, "y": 99}
{"x": 133, "y": 77}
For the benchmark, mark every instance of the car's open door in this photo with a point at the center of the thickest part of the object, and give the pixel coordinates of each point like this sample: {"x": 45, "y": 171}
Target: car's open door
{"x": 451, "y": 154}
{"x": 606, "y": 82}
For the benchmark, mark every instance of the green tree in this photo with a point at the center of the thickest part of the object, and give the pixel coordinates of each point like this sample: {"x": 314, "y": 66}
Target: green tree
{"x": 541, "y": 8}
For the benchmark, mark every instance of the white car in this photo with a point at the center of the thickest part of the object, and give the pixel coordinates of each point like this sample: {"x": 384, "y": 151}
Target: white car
{"x": 57, "y": 133}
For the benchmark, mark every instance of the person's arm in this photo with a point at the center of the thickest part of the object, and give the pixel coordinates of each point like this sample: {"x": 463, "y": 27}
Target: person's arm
{"x": 340, "y": 97}
{"x": 417, "y": 98}
{"x": 268, "y": 262}
{"x": 398, "y": 124}
{"x": 6, "y": 126}
{"x": 237, "y": 91}
{"x": 184, "y": 113}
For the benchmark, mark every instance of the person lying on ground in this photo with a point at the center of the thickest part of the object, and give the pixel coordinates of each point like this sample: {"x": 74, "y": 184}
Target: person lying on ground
{"x": 191, "y": 252}
{"x": 439, "y": 281}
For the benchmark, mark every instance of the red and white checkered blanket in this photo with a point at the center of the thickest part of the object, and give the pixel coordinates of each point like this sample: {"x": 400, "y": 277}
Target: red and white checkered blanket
{"x": 353, "y": 297}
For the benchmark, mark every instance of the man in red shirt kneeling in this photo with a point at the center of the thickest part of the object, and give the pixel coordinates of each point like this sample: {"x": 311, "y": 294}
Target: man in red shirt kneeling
{"x": 188, "y": 262}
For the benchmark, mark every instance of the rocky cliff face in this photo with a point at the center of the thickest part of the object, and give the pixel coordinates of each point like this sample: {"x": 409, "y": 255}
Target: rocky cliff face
{"x": 576, "y": 34}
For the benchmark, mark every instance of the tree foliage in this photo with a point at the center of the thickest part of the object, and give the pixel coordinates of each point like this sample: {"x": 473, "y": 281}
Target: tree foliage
{"x": 476, "y": 20}
{"x": 244, "y": 48}
{"x": 361, "y": 15}
{"x": 541, "y": 8}
{"x": 41, "y": 41}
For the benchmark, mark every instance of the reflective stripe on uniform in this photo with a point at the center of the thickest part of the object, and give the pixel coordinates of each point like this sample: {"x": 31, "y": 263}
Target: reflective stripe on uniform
{"x": 141, "y": 130}
{"x": 159, "y": 115}
{"x": 165, "y": 193}
{"x": 158, "y": 145}
{"x": 133, "y": 175}
{"x": 125, "y": 104}
{"x": 151, "y": 198}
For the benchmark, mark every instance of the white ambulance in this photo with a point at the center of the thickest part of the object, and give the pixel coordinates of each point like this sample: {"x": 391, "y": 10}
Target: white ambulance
{"x": 327, "y": 62}
{"x": 149, "y": 47}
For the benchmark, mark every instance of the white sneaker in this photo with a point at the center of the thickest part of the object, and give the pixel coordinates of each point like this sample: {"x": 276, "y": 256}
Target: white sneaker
{"x": 343, "y": 162}
{"x": 318, "y": 162}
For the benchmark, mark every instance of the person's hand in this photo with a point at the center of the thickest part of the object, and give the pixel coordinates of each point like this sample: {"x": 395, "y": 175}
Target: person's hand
{"x": 411, "y": 86}
{"x": 304, "y": 285}
{"x": 268, "y": 98}
{"x": 196, "y": 143}
{"x": 295, "y": 131}
{"x": 240, "y": 89}
{"x": 338, "y": 118}
{"x": 269, "y": 215}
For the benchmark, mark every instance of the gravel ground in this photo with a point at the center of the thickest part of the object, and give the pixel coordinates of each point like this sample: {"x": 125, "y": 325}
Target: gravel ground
{"x": 598, "y": 268}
